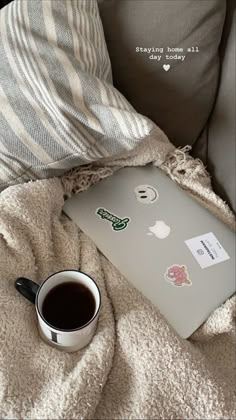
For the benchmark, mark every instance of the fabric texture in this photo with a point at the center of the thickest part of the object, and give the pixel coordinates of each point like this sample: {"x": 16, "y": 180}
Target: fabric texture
{"x": 136, "y": 366}
{"x": 185, "y": 93}
{"x": 58, "y": 108}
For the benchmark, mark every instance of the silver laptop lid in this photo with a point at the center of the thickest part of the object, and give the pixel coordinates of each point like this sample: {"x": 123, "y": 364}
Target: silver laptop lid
{"x": 168, "y": 246}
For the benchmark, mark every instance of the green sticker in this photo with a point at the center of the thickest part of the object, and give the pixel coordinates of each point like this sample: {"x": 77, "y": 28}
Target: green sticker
{"x": 116, "y": 222}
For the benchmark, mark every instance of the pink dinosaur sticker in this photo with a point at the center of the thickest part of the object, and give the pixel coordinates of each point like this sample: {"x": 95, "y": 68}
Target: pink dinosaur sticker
{"x": 178, "y": 276}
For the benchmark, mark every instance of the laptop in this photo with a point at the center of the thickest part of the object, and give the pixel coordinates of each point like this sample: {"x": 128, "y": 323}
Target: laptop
{"x": 173, "y": 250}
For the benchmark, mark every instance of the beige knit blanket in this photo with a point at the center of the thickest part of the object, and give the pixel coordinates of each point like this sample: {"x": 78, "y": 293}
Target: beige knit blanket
{"x": 136, "y": 366}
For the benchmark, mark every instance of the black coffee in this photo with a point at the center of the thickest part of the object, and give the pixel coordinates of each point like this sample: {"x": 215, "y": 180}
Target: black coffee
{"x": 68, "y": 306}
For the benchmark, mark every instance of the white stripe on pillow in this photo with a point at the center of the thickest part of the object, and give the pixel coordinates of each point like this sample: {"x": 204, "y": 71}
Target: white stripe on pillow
{"x": 58, "y": 108}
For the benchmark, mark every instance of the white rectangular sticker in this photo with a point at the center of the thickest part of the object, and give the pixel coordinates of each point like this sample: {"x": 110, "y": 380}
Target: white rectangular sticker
{"x": 207, "y": 250}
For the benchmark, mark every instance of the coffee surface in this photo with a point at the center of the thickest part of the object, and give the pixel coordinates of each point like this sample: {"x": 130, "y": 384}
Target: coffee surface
{"x": 68, "y": 306}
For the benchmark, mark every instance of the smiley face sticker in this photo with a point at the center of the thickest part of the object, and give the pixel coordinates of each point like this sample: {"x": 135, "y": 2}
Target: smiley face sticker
{"x": 146, "y": 194}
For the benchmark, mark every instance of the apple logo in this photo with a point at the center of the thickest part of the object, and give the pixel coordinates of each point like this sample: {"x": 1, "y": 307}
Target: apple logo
{"x": 161, "y": 230}
{"x": 146, "y": 194}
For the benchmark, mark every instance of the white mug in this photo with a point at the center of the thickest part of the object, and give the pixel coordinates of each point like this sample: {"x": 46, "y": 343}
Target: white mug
{"x": 67, "y": 340}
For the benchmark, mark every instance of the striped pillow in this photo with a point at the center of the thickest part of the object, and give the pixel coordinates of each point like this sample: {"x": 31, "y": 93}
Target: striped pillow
{"x": 58, "y": 108}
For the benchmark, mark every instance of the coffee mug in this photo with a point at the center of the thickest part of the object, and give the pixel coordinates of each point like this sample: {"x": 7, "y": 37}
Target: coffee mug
{"x": 67, "y": 305}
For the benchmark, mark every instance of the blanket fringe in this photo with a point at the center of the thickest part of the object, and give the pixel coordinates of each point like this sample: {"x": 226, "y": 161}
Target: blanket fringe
{"x": 82, "y": 178}
{"x": 190, "y": 173}
{"x": 180, "y": 166}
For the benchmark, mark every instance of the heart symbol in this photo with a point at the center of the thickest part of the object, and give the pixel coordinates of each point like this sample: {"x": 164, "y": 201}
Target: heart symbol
{"x": 166, "y": 67}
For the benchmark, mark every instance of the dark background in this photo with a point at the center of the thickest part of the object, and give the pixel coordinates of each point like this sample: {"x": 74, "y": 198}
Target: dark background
{"x": 4, "y": 2}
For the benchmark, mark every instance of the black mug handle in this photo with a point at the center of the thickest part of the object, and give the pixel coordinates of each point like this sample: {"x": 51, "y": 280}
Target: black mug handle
{"x": 27, "y": 288}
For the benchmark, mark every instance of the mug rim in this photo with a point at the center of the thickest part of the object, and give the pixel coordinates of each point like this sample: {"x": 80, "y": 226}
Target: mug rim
{"x": 61, "y": 329}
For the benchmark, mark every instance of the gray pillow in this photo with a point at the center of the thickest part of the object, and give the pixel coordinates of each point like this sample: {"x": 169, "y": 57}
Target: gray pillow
{"x": 221, "y": 150}
{"x": 58, "y": 108}
{"x": 178, "y": 100}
